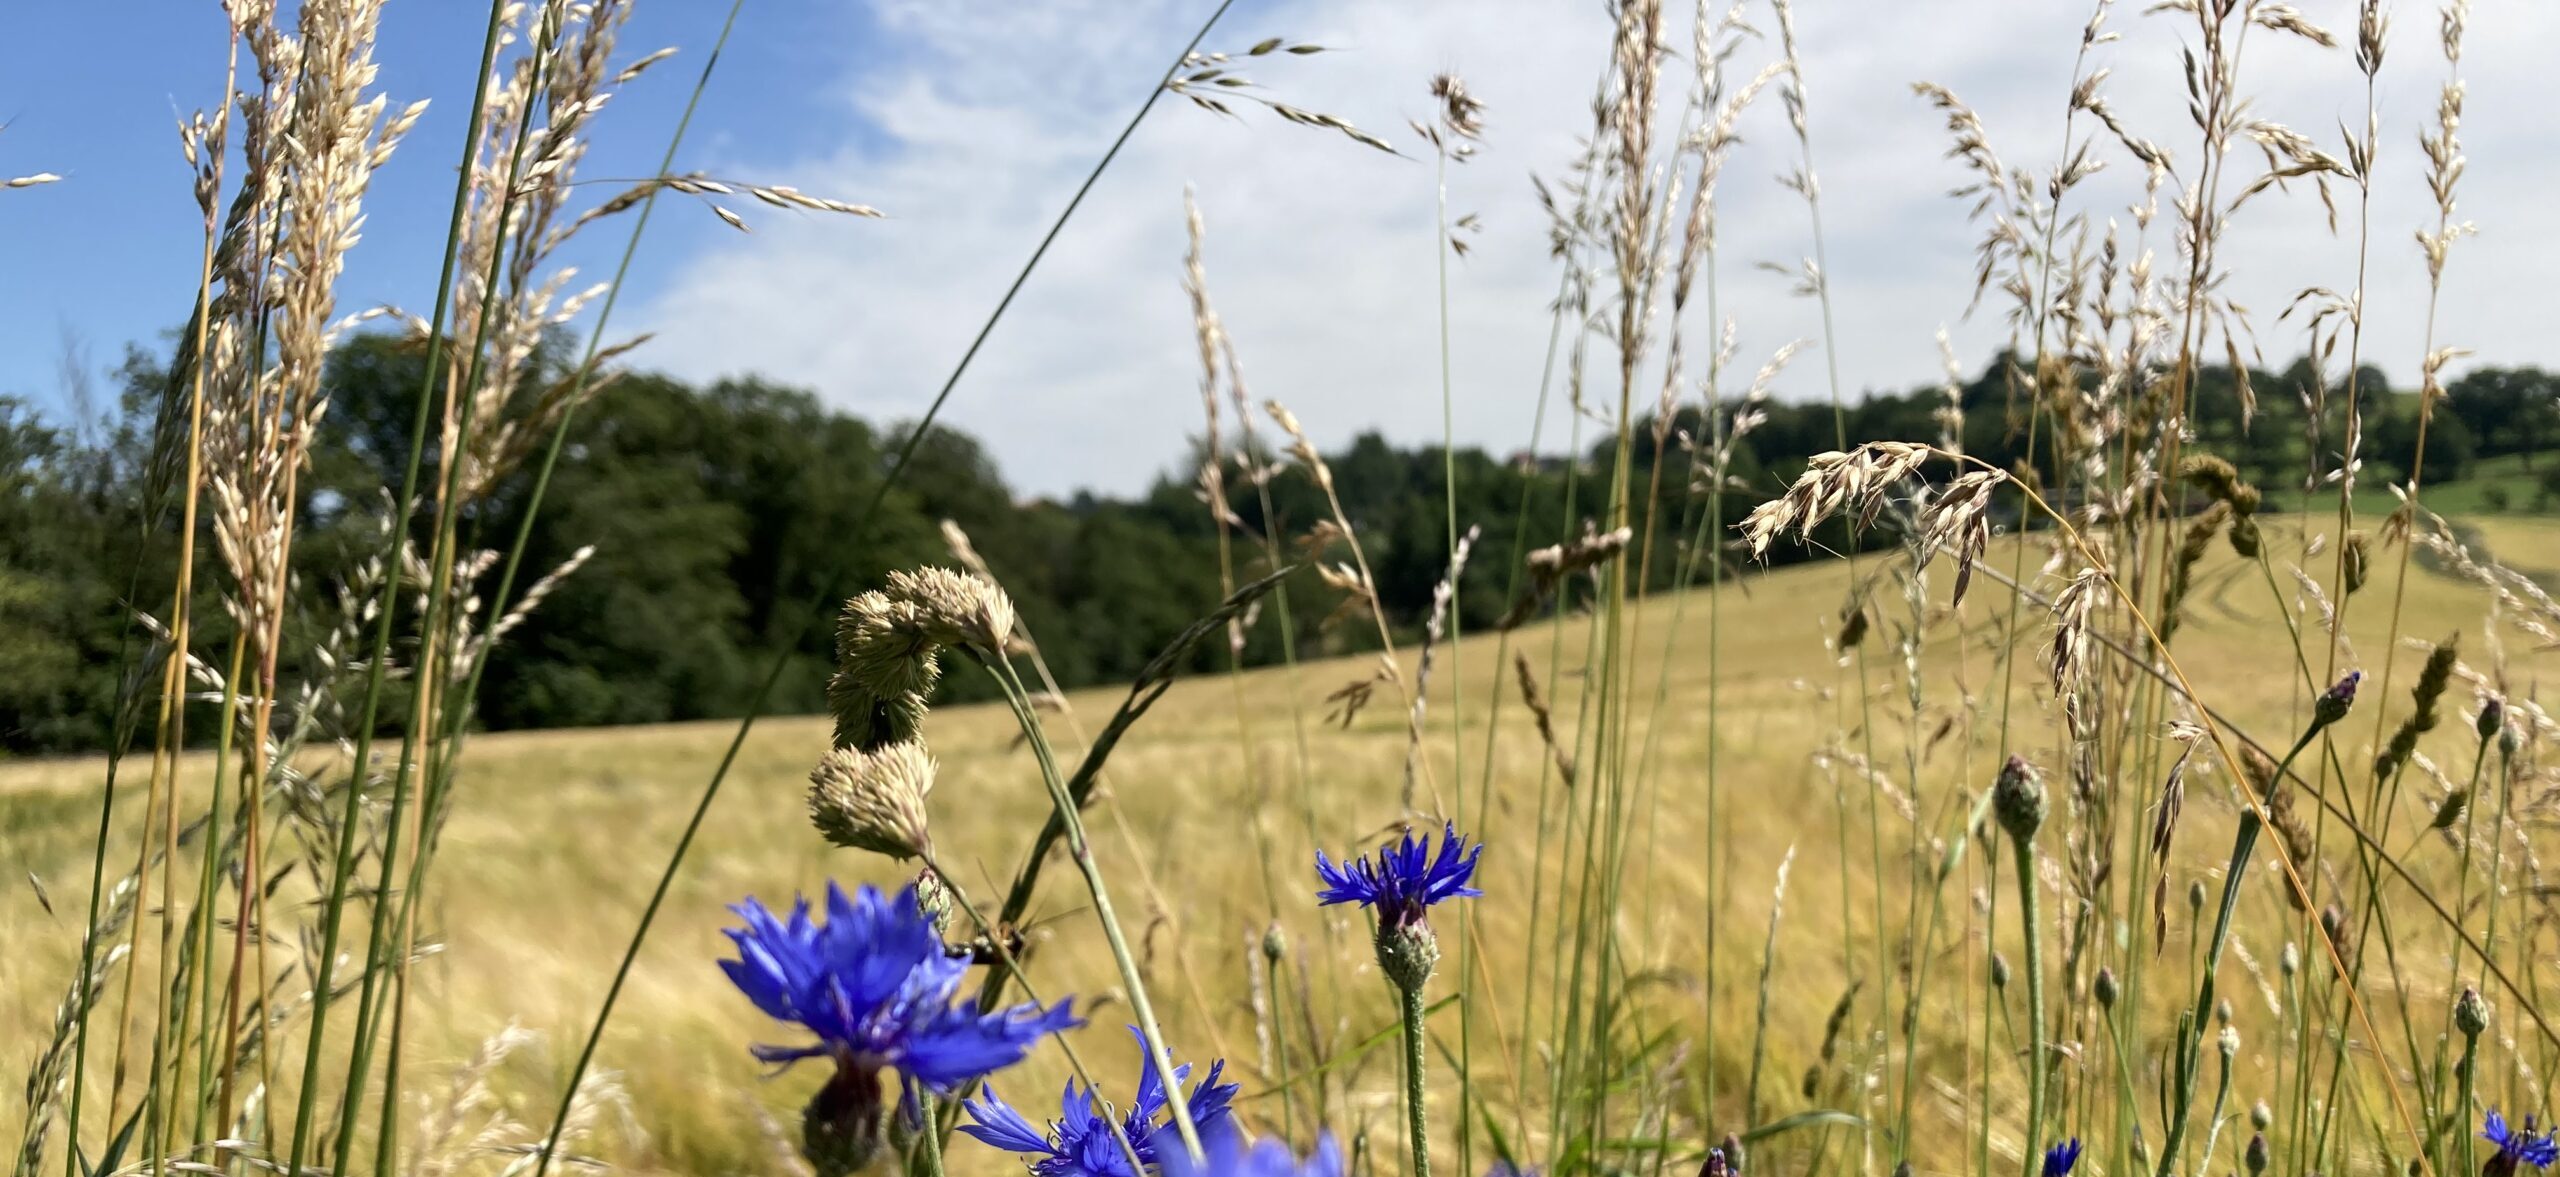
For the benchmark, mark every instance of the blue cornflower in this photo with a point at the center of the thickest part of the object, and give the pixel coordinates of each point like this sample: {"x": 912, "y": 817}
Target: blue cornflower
{"x": 2059, "y": 1159}
{"x": 2517, "y": 1146}
{"x": 876, "y": 985}
{"x": 1404, "y": 878}
{"x": 1230, "y": 1156}
{"x": 1079, "y": 1142}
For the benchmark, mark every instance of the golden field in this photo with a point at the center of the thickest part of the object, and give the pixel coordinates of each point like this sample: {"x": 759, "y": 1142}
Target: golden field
{"x": 558, "y": 837}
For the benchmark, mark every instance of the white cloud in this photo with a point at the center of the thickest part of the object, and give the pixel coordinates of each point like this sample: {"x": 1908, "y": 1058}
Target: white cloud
{"x": 1320, "y": 251}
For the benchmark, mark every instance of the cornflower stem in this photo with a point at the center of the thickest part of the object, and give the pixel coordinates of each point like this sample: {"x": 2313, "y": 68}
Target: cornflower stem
{"x": 929, "y": 1141}
{"x": 1418, "y": 1121}
{"x": 2193, "y": 1028}
{"x": 2221, "y": 1099}
{"x": 2027, "y": 918}
{"x": 2470, "y": 1058}
{"x": 1081, "y": 850}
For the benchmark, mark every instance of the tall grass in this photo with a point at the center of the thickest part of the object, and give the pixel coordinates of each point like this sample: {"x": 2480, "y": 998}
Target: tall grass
{"x": 2060, "y": 655}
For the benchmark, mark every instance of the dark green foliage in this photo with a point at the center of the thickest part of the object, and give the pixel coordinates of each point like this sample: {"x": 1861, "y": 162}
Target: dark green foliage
{"x": 718, "y": 514}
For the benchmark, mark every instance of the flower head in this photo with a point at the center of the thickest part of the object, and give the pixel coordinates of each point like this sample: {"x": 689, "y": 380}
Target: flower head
{"x": 1401, "y": 882}
{"x": 1230, "y": 1156}
{"x": 1404, "y": 878}
{"x": 2333, "y": 703}
{"x": 875, "y": 984}
{"x": 1079, "y": 1143}
{"x": 2517, "y": 1146}
{"x": 2059, "y": 1159}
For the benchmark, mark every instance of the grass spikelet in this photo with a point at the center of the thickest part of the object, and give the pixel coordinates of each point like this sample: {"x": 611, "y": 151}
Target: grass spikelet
{"x": 2191, "y": 549}
{"x": 1541, "y": 715}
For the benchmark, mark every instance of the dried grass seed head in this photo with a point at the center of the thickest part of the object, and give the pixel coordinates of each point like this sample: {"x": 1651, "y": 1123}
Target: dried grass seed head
{"x": 956, "y": 608}
{"x": 874, "y": 800}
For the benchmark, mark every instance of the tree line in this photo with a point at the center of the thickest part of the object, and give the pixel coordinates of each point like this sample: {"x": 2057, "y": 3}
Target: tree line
{"x": 725, "y": 522}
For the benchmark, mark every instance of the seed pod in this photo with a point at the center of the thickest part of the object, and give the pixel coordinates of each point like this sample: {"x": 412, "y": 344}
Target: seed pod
{"x": 2493, "y": 715}
{"x": 2260, "y": 1115}
{"x": 2104, "y": 987}
{"x": 1275, "y": 943}
{"x": 1999, "y": 971}
{"x": 2256, "y": 1155}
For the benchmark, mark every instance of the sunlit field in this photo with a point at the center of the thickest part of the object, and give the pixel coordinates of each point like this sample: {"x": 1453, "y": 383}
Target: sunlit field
{"x": 439, "y": 739}
{"x": 1208, "y": 814}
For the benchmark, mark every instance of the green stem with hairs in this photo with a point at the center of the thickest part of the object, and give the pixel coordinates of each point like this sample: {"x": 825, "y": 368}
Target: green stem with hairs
{"x": 2191, "y": 1029}
{"x": 1081, "y": 851}
{"x": 2025, "y": 846}
{"x": 929, "y": 1141}
{"x": 2470, "y": 1062}
{"x": 1417, "y": 1120}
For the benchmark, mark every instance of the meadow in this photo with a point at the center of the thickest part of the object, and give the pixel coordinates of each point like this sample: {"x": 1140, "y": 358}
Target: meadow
{"x": 2130, "y": 761}
{"x": 1206, "y": 825}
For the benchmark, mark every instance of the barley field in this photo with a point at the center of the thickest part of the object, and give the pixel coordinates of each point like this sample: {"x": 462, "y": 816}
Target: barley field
{"x": 1206, "y": 819}
{"x": 438, "y": 742}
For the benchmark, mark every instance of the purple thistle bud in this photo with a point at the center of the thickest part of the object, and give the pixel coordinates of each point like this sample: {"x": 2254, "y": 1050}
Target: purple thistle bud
{"x": 2335, "y": 701}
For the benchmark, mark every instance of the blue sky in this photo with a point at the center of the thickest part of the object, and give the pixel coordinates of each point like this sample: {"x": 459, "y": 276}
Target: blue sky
{"x": 969, "y": 123}
{"x": 109, "y": 254}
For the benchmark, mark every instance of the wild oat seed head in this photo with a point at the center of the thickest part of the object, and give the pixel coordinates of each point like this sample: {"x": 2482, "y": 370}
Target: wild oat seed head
{"x": 1460, "y": 113}
{"x": 874, "y": 800}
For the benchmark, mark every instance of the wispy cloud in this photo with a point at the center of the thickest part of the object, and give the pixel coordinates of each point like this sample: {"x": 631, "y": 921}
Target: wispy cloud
{"x": 971, "y": 127}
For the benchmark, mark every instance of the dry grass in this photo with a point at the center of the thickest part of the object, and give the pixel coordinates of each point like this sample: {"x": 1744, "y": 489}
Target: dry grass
{"x": 556, "y": 834}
